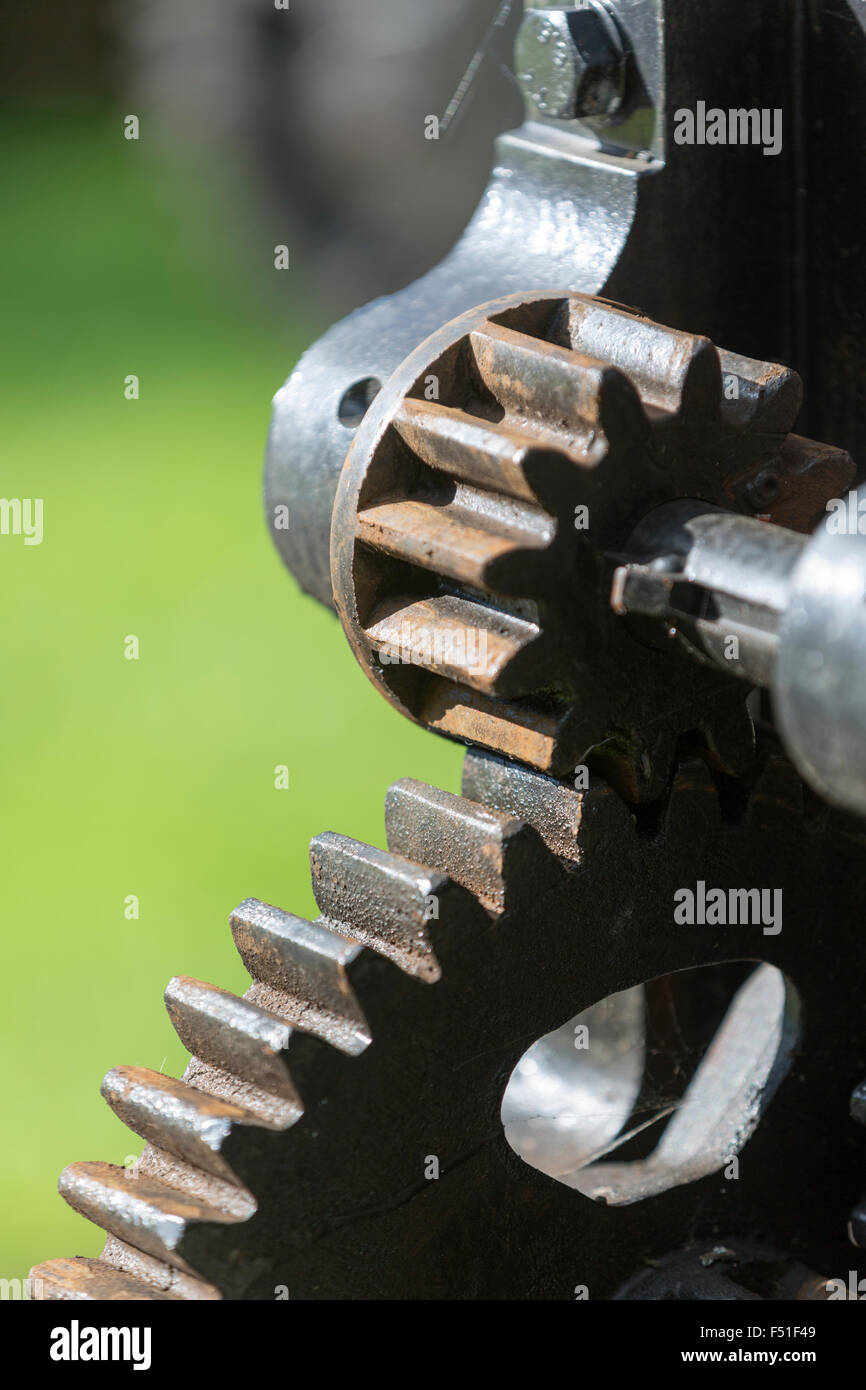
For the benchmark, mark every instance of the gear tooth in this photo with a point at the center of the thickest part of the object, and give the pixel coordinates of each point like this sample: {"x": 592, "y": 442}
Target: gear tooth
{"x": 245, "y": 1043}
{"x": 678, "y": 373}
{"x": 301, "y": 972}
{"x": 730, "y": 736}
{"x": 379, "y": 899}
{"x": 149, "y": 1215}
{"x": 638, "y": 771}
{"x": 156, "y": 1274}
{"x": 519, "y": 729}
{"x": 524, "y": 460}
{"x": 464, "y": 641}
{"x": 693, "y": 809}
{"x": 571, "y": 392}
{"x": 492, "y": 854}
{"x": 196, "y": 1183}
{"x": 498, "y": 554}
{"x": 188, "y": 1123}
{"x": 477, "y": 451}
{"x": 570, "y": 821}
{"x": 777, "y": 792}
{"x": 807, "y": 474}
{"x": 768, "y": 398}
{"x": 90, "y": 1280}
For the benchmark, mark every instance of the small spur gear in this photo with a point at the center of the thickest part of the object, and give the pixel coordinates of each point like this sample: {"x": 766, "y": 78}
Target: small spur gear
{"x": 492, "y": 480}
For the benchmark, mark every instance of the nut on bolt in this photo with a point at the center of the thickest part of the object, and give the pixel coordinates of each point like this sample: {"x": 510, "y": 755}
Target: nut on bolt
{"x": 571, "y": 63}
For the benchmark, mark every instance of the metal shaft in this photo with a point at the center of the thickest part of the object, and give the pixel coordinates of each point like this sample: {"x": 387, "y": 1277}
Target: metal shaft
{"x": 783, "y": 611}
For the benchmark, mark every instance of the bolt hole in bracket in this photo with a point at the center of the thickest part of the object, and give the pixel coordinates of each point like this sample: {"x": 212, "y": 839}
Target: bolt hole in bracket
{"x": 557, "y": 212}
{"x": 357, "y": 401}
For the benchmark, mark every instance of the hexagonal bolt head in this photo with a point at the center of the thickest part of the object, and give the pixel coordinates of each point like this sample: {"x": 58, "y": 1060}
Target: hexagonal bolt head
{"x": 571, "y": 63}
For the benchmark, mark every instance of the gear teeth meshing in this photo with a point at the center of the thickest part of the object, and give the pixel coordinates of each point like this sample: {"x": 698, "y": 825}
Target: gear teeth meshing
{"x": 569, "y": 821}
{"x": 382, "y": 900}
{"x": 469, "y": 715}
{"x": 491, "y": 854}
{"x": 300, "y": 971}
{"x": 241, "y": 1041}
{"x": 82, "y": 1279}
{"x": 238, "y": 1074}
{"x": 150, "y": 1215}
{"x": 174, "y": 1116}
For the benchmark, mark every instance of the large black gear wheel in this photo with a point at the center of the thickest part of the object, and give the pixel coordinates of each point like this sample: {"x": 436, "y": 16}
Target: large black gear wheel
{"x": 295, "y": 1154}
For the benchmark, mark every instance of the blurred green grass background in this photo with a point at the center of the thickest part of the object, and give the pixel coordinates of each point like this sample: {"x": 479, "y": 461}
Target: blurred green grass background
{"x": 152, "y": 777}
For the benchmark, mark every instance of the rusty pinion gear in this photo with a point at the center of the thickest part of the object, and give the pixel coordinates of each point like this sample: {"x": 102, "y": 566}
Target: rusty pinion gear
{"x": 491, "y": 482}
{"x": 292, "y": 1154}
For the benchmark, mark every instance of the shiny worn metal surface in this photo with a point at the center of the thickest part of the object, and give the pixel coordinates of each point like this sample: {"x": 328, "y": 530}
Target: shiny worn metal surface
{"x": 819, "y": 694}
{"x": 543, "y": 902}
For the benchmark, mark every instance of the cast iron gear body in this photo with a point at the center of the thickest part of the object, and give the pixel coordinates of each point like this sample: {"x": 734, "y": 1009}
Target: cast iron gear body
{"x": 293, "y": 1153}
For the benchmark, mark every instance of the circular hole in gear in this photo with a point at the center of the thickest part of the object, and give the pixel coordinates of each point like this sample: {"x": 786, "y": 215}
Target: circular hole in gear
{"x": 655, "y": 1086}
{"x": 357, "y": 401}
